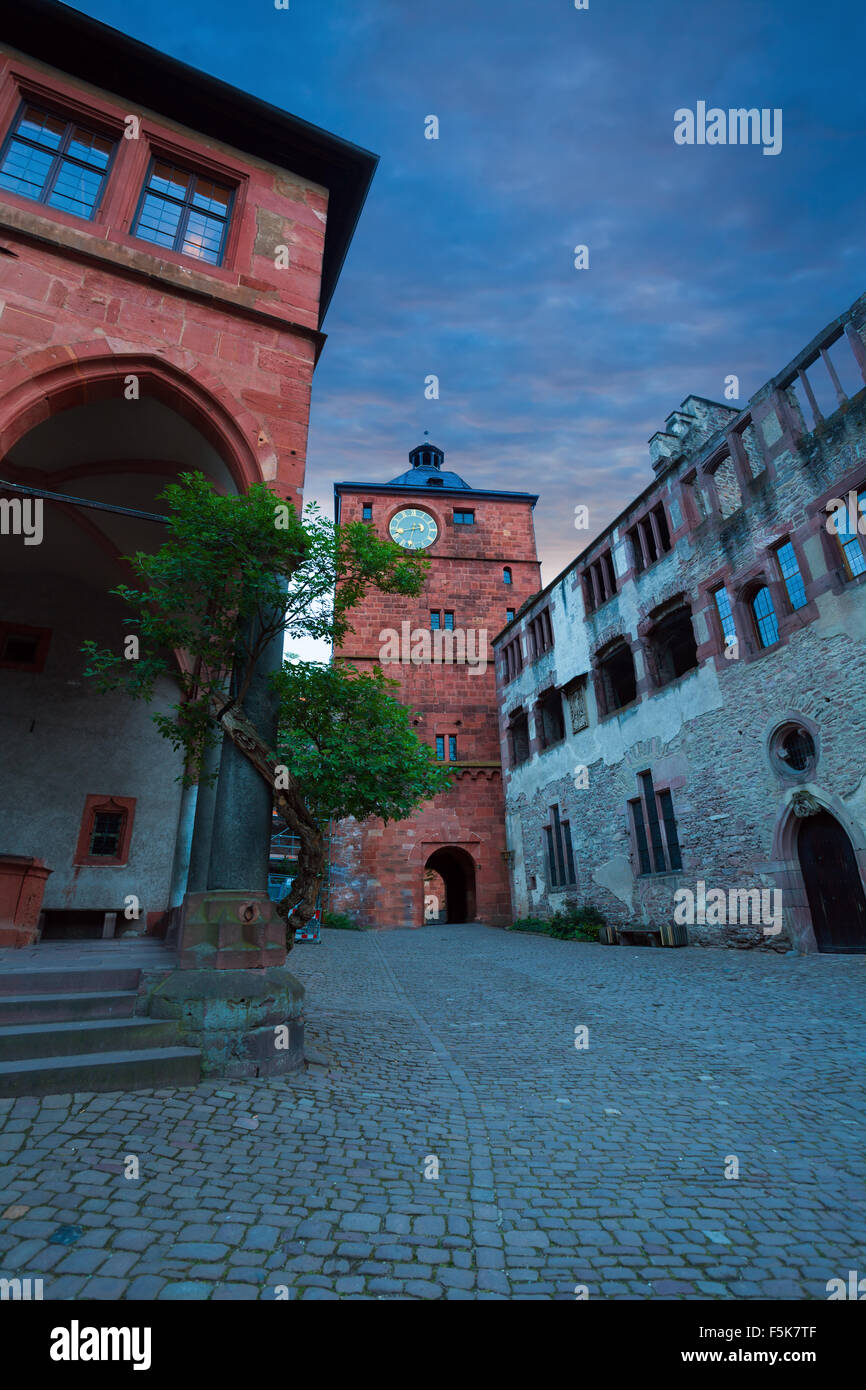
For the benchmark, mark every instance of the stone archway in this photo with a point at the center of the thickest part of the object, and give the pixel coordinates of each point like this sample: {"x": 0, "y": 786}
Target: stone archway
{"x": 809, "y": 895}
{"x": 101, "y": 460}
{"x": 456, "y": 869}
{"x": 834, "y": 888}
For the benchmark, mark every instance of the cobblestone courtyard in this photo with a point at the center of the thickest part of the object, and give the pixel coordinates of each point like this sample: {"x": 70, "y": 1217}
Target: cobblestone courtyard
{"x": 558, "y": 1166}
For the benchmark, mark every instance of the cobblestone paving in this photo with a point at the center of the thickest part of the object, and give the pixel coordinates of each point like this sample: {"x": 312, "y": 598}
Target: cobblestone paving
{"x": 558, "y": 1166}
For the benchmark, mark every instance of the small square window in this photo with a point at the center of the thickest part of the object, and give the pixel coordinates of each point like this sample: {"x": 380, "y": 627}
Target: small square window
{"x": 56, "y": 162}
{"x": 184, "y": 212}
{"x": 464, "y": 518}
{"x": 106, "y": 831}
{"x": 23, "y": 648}
{"x": 367, "y": 513}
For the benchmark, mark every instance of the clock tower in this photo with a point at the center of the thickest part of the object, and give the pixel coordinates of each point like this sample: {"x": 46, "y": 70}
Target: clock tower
{"x": 448, "y": 861}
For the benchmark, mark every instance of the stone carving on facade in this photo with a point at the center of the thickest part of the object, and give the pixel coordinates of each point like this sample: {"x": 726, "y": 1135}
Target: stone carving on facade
{"x": 805, "y": 804}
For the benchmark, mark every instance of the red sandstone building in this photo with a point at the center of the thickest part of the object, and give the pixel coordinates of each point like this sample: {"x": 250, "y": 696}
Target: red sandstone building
{"x": 483, "y": 567}
{"x": 168, "y": 249}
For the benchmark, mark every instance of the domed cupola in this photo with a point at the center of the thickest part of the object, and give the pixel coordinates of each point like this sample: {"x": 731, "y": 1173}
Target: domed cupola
{"x": 426, "y": 455}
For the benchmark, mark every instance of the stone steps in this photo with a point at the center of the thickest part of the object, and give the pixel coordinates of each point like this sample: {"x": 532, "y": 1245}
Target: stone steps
{"x": 33, "y": 1040}
{"x": 65, "y": 1008}
{"x": 156, "y": 1067}
{"x": 75, "y": 1029}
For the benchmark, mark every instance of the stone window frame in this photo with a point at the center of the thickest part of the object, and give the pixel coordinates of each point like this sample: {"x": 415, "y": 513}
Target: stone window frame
{"x": 838, "y": 569}
{"x": 765, "y": 573}
{"x": 601, "y": 656}
{"x": 656, "y": 837}
{"x": 790, "y": 538}
{"x": 547, "y": 697}
{"x": 512, "y": 659}
{"x": 55, "y": 108}
{"x": 559, "y": 852}
{"x": 661, "y": 538}
{"x": 539, "y": 633}
{"x": 518, "y": 716}
{"x": 598, "y": 580}
{"x": 578, "y": 686}
{"x": 93, "y": 805}
{"x": 646, "y": 628}
{"x": 779, "y": 724}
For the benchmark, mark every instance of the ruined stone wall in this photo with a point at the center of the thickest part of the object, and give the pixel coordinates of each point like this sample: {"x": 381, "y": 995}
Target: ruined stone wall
{"x": 706, "y": 736}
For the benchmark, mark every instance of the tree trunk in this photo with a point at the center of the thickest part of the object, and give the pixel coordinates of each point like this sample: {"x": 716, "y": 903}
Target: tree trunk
{"x": 300, "y": 904}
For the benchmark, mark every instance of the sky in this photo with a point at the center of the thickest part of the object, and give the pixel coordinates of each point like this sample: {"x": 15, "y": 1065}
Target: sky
{"x": 556, "y": 129}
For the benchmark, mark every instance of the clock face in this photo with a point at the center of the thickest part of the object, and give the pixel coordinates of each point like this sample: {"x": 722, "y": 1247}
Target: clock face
{"x": 413, "y": 529}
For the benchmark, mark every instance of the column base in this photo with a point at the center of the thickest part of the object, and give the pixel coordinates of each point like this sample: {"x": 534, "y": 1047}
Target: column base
{"x": 227, "y": 929}
{"x": 245, "y": 1023}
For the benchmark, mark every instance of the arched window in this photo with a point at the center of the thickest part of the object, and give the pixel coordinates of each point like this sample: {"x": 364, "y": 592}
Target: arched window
{"x": 764, "y": 615}
{"x": 506, "y": 575}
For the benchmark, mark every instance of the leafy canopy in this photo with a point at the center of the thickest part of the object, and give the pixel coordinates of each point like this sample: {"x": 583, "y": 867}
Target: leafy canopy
{"x": 350, "y": 746}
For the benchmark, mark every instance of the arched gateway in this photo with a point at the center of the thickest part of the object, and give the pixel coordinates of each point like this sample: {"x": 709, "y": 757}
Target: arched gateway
{"x": 833, "y": 885}
{"x": 456, "y": 870}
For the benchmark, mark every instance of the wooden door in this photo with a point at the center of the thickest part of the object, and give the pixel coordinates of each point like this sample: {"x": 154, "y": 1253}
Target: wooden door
{"x": 833, "y": 884}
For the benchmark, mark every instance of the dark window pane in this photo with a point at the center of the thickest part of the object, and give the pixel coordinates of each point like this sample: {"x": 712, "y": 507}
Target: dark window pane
{"x": 640, "y": 837}
{"x": 551, "y": 860}
{"x": 435, "y": 622}
{"x": 667, "y": 806}
{"x": 452, "y": 747}
{"x": 440, "y": 747}
{"x": 449, "y": 622}
{"x": 654, "y": 825}
{"x": 569, "y": 852}
{"x": 105, "y": 837}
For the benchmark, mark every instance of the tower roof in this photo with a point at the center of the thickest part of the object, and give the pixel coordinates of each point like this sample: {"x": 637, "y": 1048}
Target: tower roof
{"x": 426, "y": 471}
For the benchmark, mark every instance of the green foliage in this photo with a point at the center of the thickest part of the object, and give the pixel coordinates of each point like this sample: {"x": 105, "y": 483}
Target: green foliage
{"x": 350, "y": 746}
{"x": 571, "y": 923}
{"x": 233, "y": 573}
{"x": 339, "y": 921}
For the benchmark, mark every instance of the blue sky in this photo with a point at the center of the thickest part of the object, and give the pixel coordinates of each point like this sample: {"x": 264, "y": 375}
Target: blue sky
{"x": 556, "y": 128}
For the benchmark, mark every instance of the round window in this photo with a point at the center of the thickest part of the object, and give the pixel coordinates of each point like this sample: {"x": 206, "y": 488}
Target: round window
{"x": 793, "y": 749}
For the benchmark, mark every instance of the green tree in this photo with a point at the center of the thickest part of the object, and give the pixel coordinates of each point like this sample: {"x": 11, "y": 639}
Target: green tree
{"x": 234, "y": 573}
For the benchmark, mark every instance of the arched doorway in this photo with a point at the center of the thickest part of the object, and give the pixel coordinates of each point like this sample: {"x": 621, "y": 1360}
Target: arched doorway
{"x": 100, "y": 465}
{"x": 833, "y": 884}
{"x": 456, "y": 870}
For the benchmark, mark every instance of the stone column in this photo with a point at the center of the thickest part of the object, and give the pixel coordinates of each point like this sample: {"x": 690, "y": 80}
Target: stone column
{"x": 199, "y": 859}
{"x": 241, "y": 832}
{"x": 229, "y": 921}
